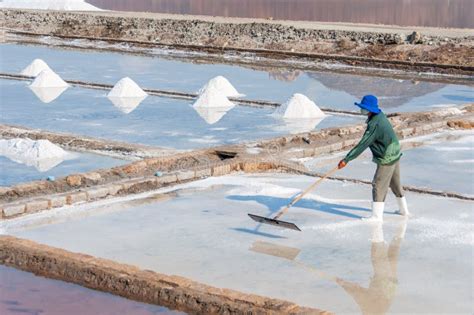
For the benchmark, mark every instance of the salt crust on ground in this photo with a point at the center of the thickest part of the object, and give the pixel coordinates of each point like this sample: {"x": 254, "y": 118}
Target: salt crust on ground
{"x": 126, "y": 87}
{"x": 64, "y": 5}
{"x": 299, "y": 106}
{"x": 48, "y": 78}
{"x": 35, "y": 68}
{"x": 223, "y": 85}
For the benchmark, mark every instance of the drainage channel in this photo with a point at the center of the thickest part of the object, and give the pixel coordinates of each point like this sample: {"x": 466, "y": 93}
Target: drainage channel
{"x": 174, "y": 94}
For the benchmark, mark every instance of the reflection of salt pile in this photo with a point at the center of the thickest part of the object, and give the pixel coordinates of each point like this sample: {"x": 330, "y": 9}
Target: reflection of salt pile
{"x": 126, "y": 95}
{"x": 48, "y": 94}
{"x": 48, "y": 86}
{"x": 212, "y": 105}
{"x": 222, "y": 85}
{"x": 300, "y": 114}
{"x": 65, "y": 5}
{"x": 35, "y": 68}
{"x": 41, "y": 154}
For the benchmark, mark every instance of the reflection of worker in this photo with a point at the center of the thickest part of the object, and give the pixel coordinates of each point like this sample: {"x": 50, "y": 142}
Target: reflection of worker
{"x": 382, "y": 141}
{"x": 377, "y": 298}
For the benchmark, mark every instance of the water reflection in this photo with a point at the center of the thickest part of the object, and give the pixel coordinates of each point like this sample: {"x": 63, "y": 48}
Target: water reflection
{"x": 442, "y": 13}
{"x": 391, "y": 93}
{"x": 379, "y": 295}
{"x": 295, "y": 126}
{"x": 25, "y": 293}
{"x": 48, "y": 94}
{"x": 212, "y": 114}
{"x": 126, "y": 104}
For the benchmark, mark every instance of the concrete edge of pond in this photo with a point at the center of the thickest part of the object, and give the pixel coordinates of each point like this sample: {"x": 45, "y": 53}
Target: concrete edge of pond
{"x": 133, "y": 283}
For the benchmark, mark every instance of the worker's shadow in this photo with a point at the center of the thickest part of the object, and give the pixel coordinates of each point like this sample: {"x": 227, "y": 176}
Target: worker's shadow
{"x": 274, "y": 204}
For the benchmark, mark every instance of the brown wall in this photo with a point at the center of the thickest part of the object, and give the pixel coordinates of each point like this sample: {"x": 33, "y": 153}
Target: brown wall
{"x": 441, "y": 13}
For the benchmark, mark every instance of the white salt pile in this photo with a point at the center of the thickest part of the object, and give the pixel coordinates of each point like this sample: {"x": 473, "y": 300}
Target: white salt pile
{"x": 299, "y": 106}
{"x": 126, "y": 95}
{"x": 212, "y": 97}
{"x": 35, "y": 68}
{"x": 223, "y": 85}
{"x": 42, "y": 154}
{"x": 48, "y": 79}
{"x": 212, "y": 105}
{"x": 126, "y": 87}
{"x": 63, "y": 5}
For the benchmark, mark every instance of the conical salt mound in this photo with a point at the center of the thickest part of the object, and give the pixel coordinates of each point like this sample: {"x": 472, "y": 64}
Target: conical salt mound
{"x": 35, "y": 68}
{"x": 223, "y": 85}
{"x": 47, "y": 78}
{"x": 126, "y": 87}
{"x": 41, "y": 154}
{"x": 212, "y": 97}
{"x": 299, "y": 106}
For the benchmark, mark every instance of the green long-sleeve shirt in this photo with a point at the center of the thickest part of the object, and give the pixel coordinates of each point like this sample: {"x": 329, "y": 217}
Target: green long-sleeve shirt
{"x": 381, "y": 139}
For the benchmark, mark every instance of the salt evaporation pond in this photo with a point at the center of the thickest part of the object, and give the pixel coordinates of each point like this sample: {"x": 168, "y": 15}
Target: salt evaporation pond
{"x": 12, "y": 173}
{"x": 327, "y": 89}
{"x": 338, "y": 268}
{"x": 25, "y": 293}
{"x": 443, "y": 161}
{"x": 156, "y": 121}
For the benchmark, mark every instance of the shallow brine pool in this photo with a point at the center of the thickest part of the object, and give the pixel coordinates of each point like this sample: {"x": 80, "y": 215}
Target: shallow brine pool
{"x": 443, "y": 161}
{"x": 338, "y": 263}
{"x": 327, "y": 89}
{"x": 25, "y": 293}
{"x": 14, "y": 172}
{"x": 155, "y": 121}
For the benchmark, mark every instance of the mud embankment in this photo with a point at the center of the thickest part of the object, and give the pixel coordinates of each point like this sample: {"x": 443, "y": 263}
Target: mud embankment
{"x": 398, "y": 45}
{"x": 141, "y": 285}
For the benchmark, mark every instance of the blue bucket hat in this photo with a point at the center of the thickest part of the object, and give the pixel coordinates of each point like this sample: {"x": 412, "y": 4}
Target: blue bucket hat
{"x": 370, "y": 103}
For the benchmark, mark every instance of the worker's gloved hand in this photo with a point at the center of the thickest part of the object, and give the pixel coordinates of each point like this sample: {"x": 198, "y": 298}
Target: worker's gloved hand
{"x": 341, "y": 164}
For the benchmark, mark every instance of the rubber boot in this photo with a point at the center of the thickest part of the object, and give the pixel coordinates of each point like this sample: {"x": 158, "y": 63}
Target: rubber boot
{"x": 377, "y": 212}
{"x": 377, "y": 233}
{"x": 402, "y": 207}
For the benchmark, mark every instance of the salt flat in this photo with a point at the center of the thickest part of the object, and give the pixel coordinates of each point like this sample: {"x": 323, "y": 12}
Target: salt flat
{"x": 201, "y": 231}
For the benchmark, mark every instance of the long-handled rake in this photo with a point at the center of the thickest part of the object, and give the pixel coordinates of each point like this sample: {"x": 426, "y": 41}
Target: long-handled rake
{"x": 284, "y": 224}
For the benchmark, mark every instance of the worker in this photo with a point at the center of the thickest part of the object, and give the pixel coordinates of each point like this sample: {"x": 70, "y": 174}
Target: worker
{"x": 383, "y": 142}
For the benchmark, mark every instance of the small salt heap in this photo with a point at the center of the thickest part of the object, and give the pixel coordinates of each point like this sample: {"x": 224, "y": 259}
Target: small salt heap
{"x": 300, "y": 114}
{"x": 35, "y": 68}
{"x": 66, "y": 5}
{"x": 126, "y": 87}
{"x": 212, "y": 105}
{"x": 126, "y": 95}
{"x": 42, "y": 154}
{"x": 48, "y": 79}
{"x": 299, "y": 106}
{"x": 223, "y": 85}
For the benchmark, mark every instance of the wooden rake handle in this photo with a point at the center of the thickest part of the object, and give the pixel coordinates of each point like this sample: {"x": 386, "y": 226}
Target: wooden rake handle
{"x": 298, "y": 198}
